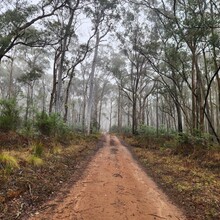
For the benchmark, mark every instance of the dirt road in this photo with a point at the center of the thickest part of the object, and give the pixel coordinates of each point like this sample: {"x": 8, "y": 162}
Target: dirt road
{"x": 114, "y": 187}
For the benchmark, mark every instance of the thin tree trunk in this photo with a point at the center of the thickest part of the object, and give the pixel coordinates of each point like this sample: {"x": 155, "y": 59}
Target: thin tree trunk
{"x": 110, "y": 117}
{"x": 157, "y": 113}
{"x": 200, "y": 98}
{"x": 10, "y": 88}
{"x": 134, "y": 115}
{"x": 53, "y": 93}
{"x": 194, "y": 120}
{"x": 143, "y": 112}
{"x": 66, "y": 106}
{"x": 27, "y": 104}
{"x": 119, "y": 111}
{"x": 44, "y": 97}
{"x": 179, "y": 118}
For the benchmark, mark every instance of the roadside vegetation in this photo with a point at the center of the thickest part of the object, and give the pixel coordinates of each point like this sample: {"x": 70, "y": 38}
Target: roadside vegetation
{"x": 37, "y": 158}
{"x": 31, "y": 171}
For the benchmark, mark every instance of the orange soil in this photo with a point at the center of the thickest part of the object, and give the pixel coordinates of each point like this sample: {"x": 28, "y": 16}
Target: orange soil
{"x": 114, "y": 187}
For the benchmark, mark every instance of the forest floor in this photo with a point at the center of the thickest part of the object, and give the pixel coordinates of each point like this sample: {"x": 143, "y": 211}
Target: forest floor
{"x": 39, "y": 177}
{"x": 113, "y": 186}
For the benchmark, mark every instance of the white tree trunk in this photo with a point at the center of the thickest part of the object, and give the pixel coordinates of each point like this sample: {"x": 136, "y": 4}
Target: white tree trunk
{"x": 91, "y": 86}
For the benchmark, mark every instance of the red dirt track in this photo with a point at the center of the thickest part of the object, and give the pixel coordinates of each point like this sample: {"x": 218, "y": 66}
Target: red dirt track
{"x": 114, "y": 187}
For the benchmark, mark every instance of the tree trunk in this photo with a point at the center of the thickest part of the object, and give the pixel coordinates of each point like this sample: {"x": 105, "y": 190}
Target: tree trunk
{"x": 91, "y": 86}
{"x": 44, "y": 96}
{"x": 134, "y": 114}
{"x": 10, "y": 88}
{"x": 27, "y": 105}
{"x": 53, "y": 93}
{"x": 194, "y": 118}
{"x": 100, "y": 113}
{"x": 110, "y": 116}
{"x": 66, "y": 106}
{"x": 119, "y": 111}
{"x": 179, "y": 118}
{"x": 143, "y": 112}
{"x": 157, "y": 113}
{"x": 85, "y": 88}
{"x": 59, "y": 77}
{"x": 64, "y": 42}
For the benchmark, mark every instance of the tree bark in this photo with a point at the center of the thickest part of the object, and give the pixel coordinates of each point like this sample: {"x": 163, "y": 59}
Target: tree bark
{"x": 91, "y": 85}
{"x": 64, "y": 43}
{"x": 194, "y": 118}
{"x": 119, "y": 111}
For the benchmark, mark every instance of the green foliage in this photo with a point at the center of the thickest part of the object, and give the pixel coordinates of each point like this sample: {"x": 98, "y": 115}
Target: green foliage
{"x": 214, "y": 40}
{"x": 203, "y": 140}
{"x": 77, "y": 128}
{"x": 94, "y": 126}
{"x": 28, "y": 130}
{"x": 146, "y": 130}
{"x": 151, "y": 131}
{"x": 33, "y": 74}
{"x": 51, "y": 125}
{"x": 12, "y": 19}
{"x": 124, "y": 129}
{"x": 8, "y": 162}
{"x": 9, "y": 115}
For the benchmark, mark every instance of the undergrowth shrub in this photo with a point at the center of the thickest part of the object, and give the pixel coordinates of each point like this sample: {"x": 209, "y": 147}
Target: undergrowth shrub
{"x": 51, "y": 125}
{"x": 77, "y": 128}
{"x": 202, "y": 140}
{"x": 28, "y": 129}
{"x": 178, "y": 143}
{"x": 9, "y": 115}
{"x": 147, "y": 130}
{"x": 123, "y": 130}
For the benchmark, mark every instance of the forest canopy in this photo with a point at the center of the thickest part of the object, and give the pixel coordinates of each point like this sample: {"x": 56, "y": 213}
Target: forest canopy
{"x": 135, "y": 66}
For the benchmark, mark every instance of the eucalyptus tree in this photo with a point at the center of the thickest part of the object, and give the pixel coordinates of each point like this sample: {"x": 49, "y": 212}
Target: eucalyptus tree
{"x": 117, "y": 67}
{"x": 69, "y": 53}
{"x": 195, "y": 28}
{"x": 78, "y": 55}
{"x": 137, "y": 80}
{"x": 35, "y": 63}
{"x": 191, "y": 26}
{"x": 102, "y": 14}
{"x": 20, "y": 23}
{"x": 66, "y": 33}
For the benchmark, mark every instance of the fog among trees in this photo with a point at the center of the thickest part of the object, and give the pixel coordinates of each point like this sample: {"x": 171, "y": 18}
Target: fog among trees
{"x": 121, "y": 66}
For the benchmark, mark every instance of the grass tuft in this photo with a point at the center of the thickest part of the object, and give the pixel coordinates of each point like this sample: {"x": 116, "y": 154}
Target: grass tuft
{"x": 8, "y": 162}
{"x": 35, "y": 161}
